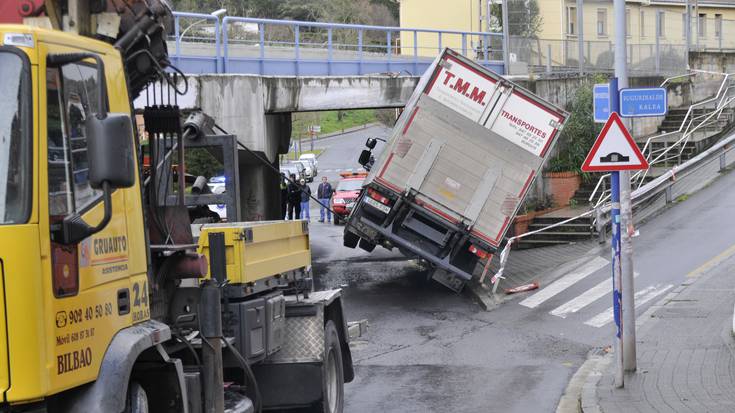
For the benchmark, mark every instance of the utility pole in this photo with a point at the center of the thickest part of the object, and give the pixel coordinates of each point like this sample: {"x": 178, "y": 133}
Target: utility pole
{"x": 580, "y": 35}
{"x": 626, "y": 231}
{"x": 506, "y": 36}
{"x": 688, "y": 31}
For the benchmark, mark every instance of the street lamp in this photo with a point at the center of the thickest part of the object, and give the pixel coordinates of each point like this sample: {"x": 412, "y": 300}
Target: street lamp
{"x": 217, "y": 13}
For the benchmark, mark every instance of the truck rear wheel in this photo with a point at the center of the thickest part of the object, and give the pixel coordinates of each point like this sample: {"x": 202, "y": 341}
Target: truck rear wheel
{"x": 333, "y": 380}
{"x": 367, "y": 245}
{"x": 350, "y": 239}
{"x": 137, "y": 399}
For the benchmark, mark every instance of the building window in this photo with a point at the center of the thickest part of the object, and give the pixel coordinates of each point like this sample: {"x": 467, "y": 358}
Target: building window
{"x": 684, "y": 25}
{"x": 627, "y": 23}
{"x": 718, "y": 25}
{"x": 660, "y": 28}
{"x": 571, "y": 20}
{"x": 643, "y": 23}
{"x": 602, "y": 22}
{"x": 702, "y": 25}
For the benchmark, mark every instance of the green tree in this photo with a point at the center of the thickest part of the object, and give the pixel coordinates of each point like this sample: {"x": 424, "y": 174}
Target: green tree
{"x": 578, "y": 134}
{"x": 524, "y": 18}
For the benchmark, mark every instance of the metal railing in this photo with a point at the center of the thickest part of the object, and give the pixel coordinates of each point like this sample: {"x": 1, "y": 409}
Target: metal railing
{"x": 288, "y": 47}
{"x": 690, "y": 125}
{"x": 562, "y": 56}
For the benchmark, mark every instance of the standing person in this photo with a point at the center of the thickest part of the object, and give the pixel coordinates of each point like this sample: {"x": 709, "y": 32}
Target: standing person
{"x": 324, "y": 193}
{"x": 284, "y": 195}
{"x": 305, "y": 195}
{"x": 294, "y": 198}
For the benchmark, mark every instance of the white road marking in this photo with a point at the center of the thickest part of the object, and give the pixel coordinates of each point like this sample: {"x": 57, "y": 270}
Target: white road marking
{"x": 641, "y": 297}
{"x": 586, "y": 298}
{"x": 564, "y": 282}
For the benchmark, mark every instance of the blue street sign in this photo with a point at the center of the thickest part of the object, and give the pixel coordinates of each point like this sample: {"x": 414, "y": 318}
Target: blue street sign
{"x": 643, "y": 102}
{"x": 601, "y": 101}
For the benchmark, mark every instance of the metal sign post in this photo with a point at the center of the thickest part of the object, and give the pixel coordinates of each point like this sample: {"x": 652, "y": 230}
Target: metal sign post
{"x": 615, "y": 247}
{"x": 615, "y": 151}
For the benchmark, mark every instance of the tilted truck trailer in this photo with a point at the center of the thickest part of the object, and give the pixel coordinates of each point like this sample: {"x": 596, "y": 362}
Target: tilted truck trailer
{"x": 110, "y": 300}
{"x": 459, "y": 162}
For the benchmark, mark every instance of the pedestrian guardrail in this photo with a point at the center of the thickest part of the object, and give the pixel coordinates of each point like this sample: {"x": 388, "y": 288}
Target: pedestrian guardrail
{"x": 204, "y": 44}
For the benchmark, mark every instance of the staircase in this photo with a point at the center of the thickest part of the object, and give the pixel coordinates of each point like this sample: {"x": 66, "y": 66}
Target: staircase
{"x": 578, "y": 230}
{"x": 672, "y": 121}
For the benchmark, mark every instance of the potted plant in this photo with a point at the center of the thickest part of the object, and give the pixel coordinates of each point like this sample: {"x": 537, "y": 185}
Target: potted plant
{"x": 563, "y": 175}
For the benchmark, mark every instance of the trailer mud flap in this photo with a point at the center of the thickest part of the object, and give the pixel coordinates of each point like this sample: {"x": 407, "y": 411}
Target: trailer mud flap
{"x": 448, "y": 280}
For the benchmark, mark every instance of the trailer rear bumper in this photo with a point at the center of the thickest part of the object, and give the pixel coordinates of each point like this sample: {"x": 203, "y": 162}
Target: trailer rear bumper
{"x": 443, "y": 263}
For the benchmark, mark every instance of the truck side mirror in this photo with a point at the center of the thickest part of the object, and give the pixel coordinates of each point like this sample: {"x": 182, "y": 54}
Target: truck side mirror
{"x": 364, "y": 157}
{"x": 110, "y": 150}
{"x": 371, "y": 142}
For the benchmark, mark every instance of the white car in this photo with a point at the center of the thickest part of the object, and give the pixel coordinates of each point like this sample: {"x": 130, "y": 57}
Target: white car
{"x": 311, "y": 158}
{"x": 309, "y": 173}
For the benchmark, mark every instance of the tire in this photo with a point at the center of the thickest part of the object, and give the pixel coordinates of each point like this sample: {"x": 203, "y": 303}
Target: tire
{"x": 333, "y": 380}
{"x": 367, "y": 245}
{"x": 336, "y": 219}
{"x": 350, "y": 239}
{"x": 137, "y": 399}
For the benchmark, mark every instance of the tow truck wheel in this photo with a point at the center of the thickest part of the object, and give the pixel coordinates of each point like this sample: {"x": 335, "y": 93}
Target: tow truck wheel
{"x": 137, "y": 400}
{"x": 336, "y": 219}
{"x": 333, "y": 380}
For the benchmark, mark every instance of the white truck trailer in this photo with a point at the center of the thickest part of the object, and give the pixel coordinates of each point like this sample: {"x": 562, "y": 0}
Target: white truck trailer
{"x": 457, "y": 166}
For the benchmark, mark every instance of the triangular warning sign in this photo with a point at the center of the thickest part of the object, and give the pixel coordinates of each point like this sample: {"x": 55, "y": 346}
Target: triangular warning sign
{"x": 614, "y": 150}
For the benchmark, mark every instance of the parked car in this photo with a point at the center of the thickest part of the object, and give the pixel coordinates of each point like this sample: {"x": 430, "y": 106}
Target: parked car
{"x": 347, "y": 191}
{"x": 310, "y": 157}
{"x": 308, "y": 170}
{"x": 293, "y": 168}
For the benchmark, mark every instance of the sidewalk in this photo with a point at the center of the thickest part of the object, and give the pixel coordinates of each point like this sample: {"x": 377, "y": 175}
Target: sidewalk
{"x": 686, "y": 353}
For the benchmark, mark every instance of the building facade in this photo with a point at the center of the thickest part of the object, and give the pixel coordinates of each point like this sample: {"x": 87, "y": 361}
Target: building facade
{"x": 656, "y": 30}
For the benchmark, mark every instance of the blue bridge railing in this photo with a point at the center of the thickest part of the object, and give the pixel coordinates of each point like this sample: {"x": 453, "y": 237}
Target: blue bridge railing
{"x": 202, "y": 43}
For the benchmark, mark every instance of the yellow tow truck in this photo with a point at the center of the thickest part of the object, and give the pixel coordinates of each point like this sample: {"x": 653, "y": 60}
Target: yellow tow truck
{"x": 110, "y": 303}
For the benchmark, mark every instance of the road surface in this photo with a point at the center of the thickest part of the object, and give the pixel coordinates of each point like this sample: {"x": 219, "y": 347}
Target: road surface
{"x": 428, "y": 349}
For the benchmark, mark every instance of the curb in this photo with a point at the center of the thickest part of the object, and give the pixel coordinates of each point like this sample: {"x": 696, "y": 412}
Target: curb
{"x": 482, "y": 296}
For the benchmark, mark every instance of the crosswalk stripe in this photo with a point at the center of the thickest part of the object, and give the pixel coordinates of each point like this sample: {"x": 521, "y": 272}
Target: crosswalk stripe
{"x": 564, "y": 282}
{"x": 583, "y": 300}
{"x": 641, "y": 297}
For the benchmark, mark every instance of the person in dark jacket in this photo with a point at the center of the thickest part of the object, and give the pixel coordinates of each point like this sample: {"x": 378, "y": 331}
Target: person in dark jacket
{"x": 305, "y": 195}
{"x": 324, "y": 193}
{"x": 294, "y": 198}
{"x": 284, "y": 195}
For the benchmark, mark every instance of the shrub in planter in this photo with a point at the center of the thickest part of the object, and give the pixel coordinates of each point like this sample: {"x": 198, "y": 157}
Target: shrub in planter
{"x": 563, "y": 174}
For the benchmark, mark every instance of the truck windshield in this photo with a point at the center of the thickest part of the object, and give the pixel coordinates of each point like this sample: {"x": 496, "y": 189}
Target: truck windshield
{"x": 15, "y": 143}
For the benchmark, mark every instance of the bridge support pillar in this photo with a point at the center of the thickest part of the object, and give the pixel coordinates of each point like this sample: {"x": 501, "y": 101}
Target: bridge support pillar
{"x": 260, "y": 194}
